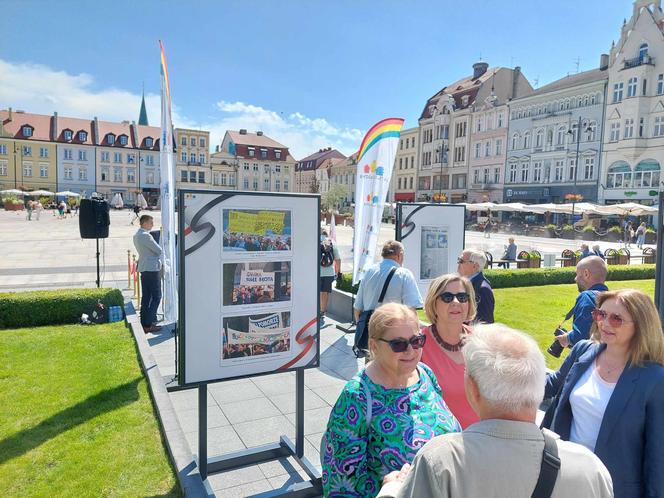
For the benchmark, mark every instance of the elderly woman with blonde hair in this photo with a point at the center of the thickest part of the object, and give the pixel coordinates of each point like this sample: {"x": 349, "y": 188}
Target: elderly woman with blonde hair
{"x": 449, "y": 306}
{"x": 608, "y": 395}
{"x": 386, "y": 412}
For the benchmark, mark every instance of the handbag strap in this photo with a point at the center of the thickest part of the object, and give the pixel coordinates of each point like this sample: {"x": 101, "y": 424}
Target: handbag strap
{"x": 549, "y": 468}
{"x": 386, "y": 284}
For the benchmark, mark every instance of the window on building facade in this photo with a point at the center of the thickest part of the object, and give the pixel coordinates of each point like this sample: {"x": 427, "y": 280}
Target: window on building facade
{"x": 201, "y": 142}
{"x": 149, "y": 142}
{"x": 478, "y": 149}
{"x": 201, "y": 177}
{"x": 496, "y": 175}
{"x": 255, "y": 184}
{"x": 615, "y": 131}
{"x": 476, "y": 176}
{"x": 559, "y": 170}
{"x": 486, "y": 175}
{"x": 192, "y": 177}
{"x": 131, "y": 175}
{"x": 592, "y": 131}
{"x": 589, "y": 168}
{"x": 479, "y": 124}
{"x": 117, "y": 157}
{"x": 104, "y": 175}
{"x": 539, "y": 139}
{"x": 266, "y": 184}
{"x": 192, "y": 141}
{"x": 246, "y": 166}
{"x": 514, "y": 142}
{"x": 82, "y": 155}
{"x": 537, "y": 171}
{"x": 525, "y": 170}
{"x": 3, "y": 149}
{"x": 560, "y": 136}
{"x": 149, "y": 177}
{"x": 499, "y": 146}
{"x": 643, "y": 51}
{"x": 572, "y": 170}
{"x": 117, "y": 175}
{"x": 82, "y": 136}
{"x": 458, "y": 181}
{"x": 277, "y": 185}
{"x": 43, "y": 171}
{"x": 285, "y": 185}
{"x": 658, "y": 130}
{"x": 149, "y": 160}
{"x": 183, "y": 157}
{"x": 43, "y": 152}
{"x": 82, "y": 174}
{"x": 647, "y": 174}
{"x": 660, "y": 84}
{"x": 68, "y": 173}
{"x": 263, "y": 153}
{"x": 631, "y": 87}
{"x": 619, "y": 175}
{"x": 201, "y": 158}
{"x": 124, "y": 139}
{"x": 27, "y": 131}
{"x": 3, "y": 168}
{"x": 617, "y": 92}
{"x": 67, "y": 154}
{"x": 513, "y": 172}
{"x": 184, "y": 175}
{"x": 526, "y": 140}
{"x": 27, "y": 150}
{"x": 629, "y": 128}
{"x": 644, "y": 87}
{"x": 131, "y": 158}
{"x": 642, "y": 125}
{"x": 183, "y": 141}
{"x": 487, "y": 149}
{"x": 104, "y": 157}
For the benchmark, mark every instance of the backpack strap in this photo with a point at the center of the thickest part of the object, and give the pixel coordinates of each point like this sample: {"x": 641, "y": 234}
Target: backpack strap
{"x": 386, "y": 284}
{"x": 548, "y": 469}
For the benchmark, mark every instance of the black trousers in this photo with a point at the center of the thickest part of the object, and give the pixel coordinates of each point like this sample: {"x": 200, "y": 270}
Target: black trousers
{"x": 151, "y": 286}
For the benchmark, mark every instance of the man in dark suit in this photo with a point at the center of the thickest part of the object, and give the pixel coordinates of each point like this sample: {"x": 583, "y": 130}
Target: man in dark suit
{"x": 470, "y": 265}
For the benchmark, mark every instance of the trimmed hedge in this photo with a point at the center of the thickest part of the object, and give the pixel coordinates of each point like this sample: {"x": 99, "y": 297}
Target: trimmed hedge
{"x": 37, "y": 308}
{"x": 529, "y": 277}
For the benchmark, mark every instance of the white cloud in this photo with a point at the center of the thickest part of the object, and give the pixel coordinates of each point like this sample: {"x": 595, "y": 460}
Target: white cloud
{"x": 40, "y": 89}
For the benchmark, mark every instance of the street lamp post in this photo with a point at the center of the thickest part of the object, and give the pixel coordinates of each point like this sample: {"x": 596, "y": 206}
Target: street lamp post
{"x": 576, "y": 161}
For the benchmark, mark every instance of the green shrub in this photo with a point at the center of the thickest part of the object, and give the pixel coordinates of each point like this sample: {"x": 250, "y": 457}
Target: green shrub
{"x": 588, "y": 229}
{"x": 33, "y": 309}
{"x": 568, "y": 228}
{"x": 529, "y": 277}
{"x": 650, "y": 230}
{"x": 615, "y": 229}
{"x": 551, "y": 226}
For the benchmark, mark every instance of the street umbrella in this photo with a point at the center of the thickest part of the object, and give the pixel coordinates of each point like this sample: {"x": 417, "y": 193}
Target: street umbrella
{"x": 117, "y": 201}
{"x": 481, "y": 206}
{"x": 68, "y": 193}
{"x": 39, "y": 193}
{"x": 12, "y": 191}
{"x": 141, "y": 202}
{"x": 628, "y": 209}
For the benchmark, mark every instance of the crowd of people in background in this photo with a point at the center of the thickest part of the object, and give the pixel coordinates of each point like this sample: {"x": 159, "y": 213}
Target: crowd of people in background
{"x": 252, "y": 294}
{"x": 246, "y": 242}
{"x": 242, "y": 350}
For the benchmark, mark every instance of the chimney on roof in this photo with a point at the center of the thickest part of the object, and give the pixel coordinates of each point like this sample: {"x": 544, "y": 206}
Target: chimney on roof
{"x": 9, "y": 118}
{"x": 516, "y": 72}
{"x": 54, "y": 131}
{"x": 95, "y": 129}
{"x": 243, "y": 131}
{"x": 479, "y": 68}
{"x": 134, "y": 134}
{"x": 259, "y": 133}
{"x": 604, "y": 61}
{"x": 216, "y": 148}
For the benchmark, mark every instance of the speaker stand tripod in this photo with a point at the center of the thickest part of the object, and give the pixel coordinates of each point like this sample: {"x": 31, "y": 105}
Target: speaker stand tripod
{"x": 98, "y": 279}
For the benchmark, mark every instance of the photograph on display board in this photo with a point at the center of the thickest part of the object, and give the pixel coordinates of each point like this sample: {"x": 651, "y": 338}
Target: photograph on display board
{"x": 433, "y": 254}
{"x": 256, "y": 283}
{"x": 252, "y": 230}
{"x": 256, "y": 335}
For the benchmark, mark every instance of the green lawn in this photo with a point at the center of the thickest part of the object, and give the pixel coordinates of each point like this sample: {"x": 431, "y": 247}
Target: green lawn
{"x": 538, "y": 310}
{"x": 76, "y": 418}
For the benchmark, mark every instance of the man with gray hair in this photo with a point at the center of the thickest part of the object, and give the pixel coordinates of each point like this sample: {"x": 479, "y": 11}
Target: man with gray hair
{"x": 504, "y": 453}
{"x": 470, "y": 265}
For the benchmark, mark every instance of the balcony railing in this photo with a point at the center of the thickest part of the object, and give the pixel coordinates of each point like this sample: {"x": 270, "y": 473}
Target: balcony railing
{"x": 194, "y": 163}
{"x": 638, "y": 61}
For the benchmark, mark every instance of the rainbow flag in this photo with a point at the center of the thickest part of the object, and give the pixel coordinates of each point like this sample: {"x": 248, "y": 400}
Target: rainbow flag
{"x": 167, "y": 197}
{"x": 375, "y": 162}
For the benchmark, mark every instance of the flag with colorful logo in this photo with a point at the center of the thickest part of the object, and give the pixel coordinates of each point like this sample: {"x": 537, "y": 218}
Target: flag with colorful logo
{"x": 167, "y": 197}
{"x": 375, "y": 162}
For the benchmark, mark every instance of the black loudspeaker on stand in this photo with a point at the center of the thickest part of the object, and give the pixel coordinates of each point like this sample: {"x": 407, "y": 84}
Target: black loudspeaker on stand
{"x": 93, "y": 222}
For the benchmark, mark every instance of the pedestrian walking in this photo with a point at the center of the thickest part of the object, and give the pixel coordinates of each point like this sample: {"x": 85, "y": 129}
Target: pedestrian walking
{"x": 641, "y": 235}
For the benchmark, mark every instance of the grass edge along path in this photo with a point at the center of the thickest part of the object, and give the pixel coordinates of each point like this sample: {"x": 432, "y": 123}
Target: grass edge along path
{"x": 76, "y": 417}
{"x": 538, "y": 310}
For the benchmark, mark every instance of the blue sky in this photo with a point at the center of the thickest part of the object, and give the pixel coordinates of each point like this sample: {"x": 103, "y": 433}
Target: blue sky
{"x": 308, "y": 73}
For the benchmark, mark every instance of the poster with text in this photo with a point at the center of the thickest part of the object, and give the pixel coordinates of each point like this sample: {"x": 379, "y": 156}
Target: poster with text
{"x": 246, "y": 259}
{"x": 433, "y": 238}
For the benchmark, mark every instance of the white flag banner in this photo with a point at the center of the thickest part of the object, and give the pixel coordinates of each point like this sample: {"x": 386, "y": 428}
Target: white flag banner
{"x": 167, "y": 197}
{"x": 375, "y": 162}
{"x": 270, "y": 322}
{"x": 265, "y": 338}
{"x": 333, "y": 228}
{"x": 256, "y": 277}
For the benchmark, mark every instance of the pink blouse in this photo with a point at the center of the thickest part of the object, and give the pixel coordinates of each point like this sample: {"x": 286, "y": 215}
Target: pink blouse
{"x": 450, "y": 378}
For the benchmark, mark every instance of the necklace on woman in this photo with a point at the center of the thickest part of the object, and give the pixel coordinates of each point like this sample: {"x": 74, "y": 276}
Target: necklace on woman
{"x": 452, "y": 348}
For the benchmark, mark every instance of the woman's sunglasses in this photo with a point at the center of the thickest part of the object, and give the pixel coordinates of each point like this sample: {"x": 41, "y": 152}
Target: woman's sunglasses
{"x": 400, "y": 345}
{"x": 448, "y": 297}
{"x": 614, "y": 319}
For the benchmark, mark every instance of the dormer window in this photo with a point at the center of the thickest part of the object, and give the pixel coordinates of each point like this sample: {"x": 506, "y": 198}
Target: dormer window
{"x": 110, "y": 139}
{"x": 67, "y": 134}
{"x": 123, "y": 139}
{"x": 149, "y": 142}
{"x": 252, "y": 152}
{"x": 277, "y": 153}
{"x": 82, "y": 136}
{"x": 643, "y": 51}
{"x": 27, "y": 131}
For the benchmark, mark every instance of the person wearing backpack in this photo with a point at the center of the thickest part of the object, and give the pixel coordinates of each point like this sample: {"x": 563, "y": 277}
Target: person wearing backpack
{"x": 330, "y": 266}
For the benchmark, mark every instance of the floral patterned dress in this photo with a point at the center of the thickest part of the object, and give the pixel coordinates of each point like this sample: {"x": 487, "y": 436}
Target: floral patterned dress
{"x": 354, "y": 457}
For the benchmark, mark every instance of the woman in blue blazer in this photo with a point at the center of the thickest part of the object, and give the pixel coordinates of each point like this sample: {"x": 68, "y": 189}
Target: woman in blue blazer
{"x": 609, "y": 393}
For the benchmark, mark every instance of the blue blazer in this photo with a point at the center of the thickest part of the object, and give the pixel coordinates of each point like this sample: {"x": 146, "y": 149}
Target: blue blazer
{"x": 484, "y": 298}
{"x": 630, "y": 442}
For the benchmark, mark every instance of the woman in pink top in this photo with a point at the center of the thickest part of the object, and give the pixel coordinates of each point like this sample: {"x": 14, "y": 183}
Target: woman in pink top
{"x": 450, "y": 302}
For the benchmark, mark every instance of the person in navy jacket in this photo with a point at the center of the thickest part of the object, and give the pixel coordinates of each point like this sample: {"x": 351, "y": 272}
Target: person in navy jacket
{"x": 470, "y": 265}
{"x": 609, "y": 393}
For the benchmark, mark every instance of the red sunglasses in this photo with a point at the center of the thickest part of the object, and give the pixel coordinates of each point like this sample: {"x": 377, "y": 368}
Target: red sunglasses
{"x": 614, "y": 319}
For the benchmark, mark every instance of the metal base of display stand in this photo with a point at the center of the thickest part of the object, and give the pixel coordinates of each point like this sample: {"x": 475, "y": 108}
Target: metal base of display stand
{"x": 347, "y": 327}
{"x": 251, "y": 456}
